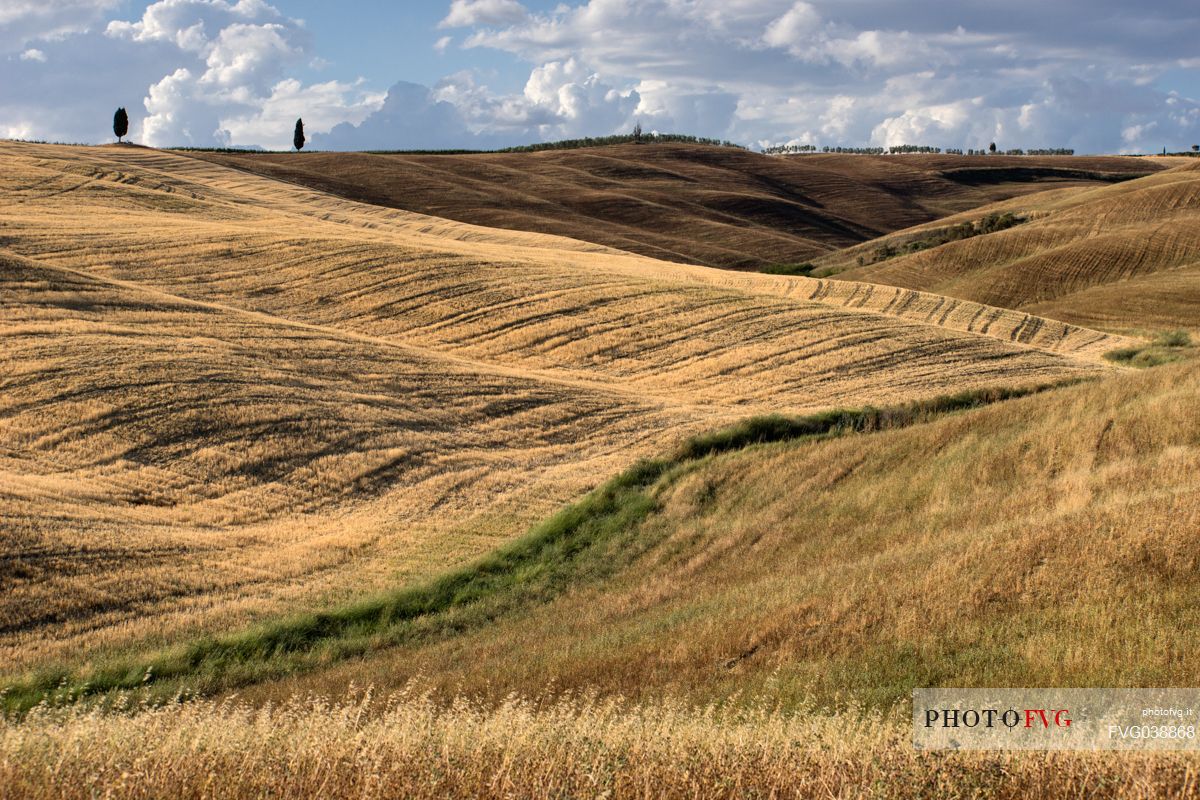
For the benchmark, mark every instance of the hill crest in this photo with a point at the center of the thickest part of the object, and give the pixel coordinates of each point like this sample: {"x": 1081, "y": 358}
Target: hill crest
{"x": 687, "y": 203}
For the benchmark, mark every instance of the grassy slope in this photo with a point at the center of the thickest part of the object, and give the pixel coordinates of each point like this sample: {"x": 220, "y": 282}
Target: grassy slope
{"x": 1043, "y": 541}
{"x": 695, "y": 204}
{"x": 1039, "y": 541}
{"x": 1124, "y": 257}
{"x": 275, "y": 397}
{"x": 585, "y": 543}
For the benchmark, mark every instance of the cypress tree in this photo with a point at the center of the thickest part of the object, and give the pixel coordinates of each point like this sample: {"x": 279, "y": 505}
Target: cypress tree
{"x": 298, "y": 136}
{"x": 120, "y": 123}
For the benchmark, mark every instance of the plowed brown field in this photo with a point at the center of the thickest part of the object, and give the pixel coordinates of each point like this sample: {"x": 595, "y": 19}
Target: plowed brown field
{"x": 720, "y": 207}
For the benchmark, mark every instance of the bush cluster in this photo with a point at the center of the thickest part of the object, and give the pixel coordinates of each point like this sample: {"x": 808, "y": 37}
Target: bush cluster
{"x": 964, "y": 230}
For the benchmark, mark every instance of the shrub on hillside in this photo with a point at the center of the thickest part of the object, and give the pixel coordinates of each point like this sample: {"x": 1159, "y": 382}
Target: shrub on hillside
{"x": 992, "y": 223}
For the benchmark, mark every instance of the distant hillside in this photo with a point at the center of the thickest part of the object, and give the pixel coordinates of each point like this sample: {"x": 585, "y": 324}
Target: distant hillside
{"x": 1120, "y": 257}
{"x": 716, "y": 206}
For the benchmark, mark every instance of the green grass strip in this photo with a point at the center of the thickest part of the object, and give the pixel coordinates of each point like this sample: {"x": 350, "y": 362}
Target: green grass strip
{"x": 779, "y": 428}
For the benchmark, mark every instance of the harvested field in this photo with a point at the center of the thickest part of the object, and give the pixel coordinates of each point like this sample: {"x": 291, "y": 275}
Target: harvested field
{"x": 1122, "y": 258}
{"x": 715, "y": 206}
{"x": 225, "y": 396}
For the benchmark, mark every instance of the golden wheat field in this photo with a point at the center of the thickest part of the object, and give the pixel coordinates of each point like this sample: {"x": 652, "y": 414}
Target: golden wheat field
{"x": 718, "y": 206}
{"x": 407, "y": 745}
{"x": 235, "y": 410}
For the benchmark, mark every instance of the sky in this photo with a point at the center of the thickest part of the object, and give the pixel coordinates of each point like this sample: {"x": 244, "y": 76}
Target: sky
{"x": 1097, "y": 76}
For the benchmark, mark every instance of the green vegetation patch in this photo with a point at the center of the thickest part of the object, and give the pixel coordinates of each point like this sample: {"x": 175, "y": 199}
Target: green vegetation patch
{"x": 1164, "y": 348}
{"x": 992, "y": 223}
{"x": 788, "y": 269}
{"x": 780, "y": 428}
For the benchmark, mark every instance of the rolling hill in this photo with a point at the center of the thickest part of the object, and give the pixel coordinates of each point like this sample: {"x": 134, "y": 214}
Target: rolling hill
{"x": 695, "y": 204}
{"x": 595, "y": 523}
{"x": 1124, "y": 257}
{"x": 1042, "y": 541}
{"x": 226, "y": 395}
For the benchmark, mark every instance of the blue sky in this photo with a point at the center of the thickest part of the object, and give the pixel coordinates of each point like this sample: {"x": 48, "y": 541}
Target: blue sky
{"x": 398, "y": 42}
{"x": 1098, "y": 76}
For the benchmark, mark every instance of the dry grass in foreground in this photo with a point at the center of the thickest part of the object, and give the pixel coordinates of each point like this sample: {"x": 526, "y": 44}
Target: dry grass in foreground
{"x": 409, "y": 746}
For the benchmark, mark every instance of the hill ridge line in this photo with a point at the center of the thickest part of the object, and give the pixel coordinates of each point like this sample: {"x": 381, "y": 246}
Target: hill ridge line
{"x": 911, "y": 306}
{"x": 1027, "y": 329}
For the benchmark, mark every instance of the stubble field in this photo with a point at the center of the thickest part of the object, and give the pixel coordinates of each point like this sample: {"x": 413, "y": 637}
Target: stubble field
{"x": 227, "y": 396}
{"x": 228, "y": 400}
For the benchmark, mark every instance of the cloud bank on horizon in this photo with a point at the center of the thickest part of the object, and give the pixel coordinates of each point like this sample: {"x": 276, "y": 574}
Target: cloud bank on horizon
{"x": 1097, "y": 76}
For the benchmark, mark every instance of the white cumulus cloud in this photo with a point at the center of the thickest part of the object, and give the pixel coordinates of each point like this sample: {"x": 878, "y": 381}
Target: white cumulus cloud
{"x": 24, "y": 21}
{"x": 794, "y": 27}
{"x": 1096, "y": 76}
{"x": 877, "y": 72}
{"x": 560, "y": 100}
{"x": 465, "y": 13}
